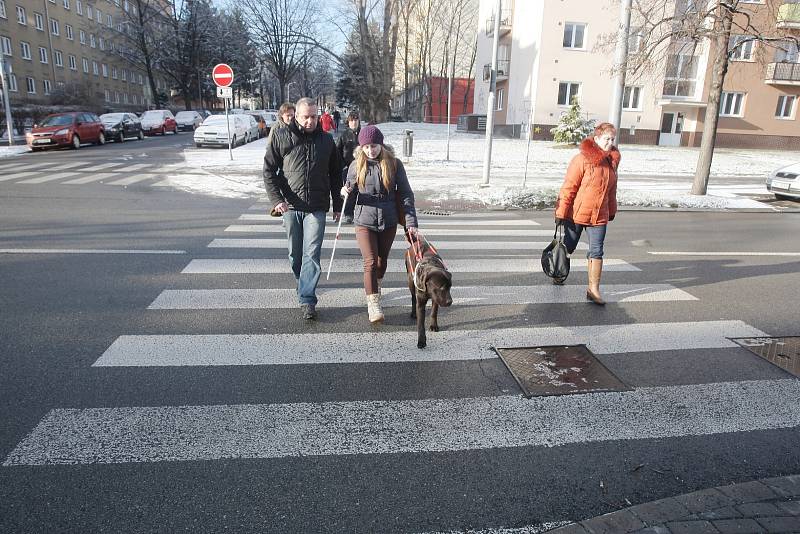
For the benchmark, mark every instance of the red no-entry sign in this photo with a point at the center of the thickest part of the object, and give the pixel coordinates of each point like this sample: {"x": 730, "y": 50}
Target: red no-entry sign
{"x": 222, "y": 75}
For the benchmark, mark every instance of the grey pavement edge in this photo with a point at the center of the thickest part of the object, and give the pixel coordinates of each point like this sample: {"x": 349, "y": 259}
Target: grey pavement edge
{"x": 766, "y": 505}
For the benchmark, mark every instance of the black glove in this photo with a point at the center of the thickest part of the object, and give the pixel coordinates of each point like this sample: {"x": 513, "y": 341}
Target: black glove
{"x": 611, "y": 218}
{"x": 559, "y": 221}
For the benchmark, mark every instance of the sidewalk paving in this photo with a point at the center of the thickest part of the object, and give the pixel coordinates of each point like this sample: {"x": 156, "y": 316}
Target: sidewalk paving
{"x": 767, "y": 505}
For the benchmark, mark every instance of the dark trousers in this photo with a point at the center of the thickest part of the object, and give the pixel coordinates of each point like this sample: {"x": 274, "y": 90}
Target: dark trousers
{"x": 375, "y": 248}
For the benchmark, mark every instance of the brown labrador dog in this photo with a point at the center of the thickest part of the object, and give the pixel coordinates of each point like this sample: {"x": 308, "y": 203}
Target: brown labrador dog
{"x": 428, "y": 279}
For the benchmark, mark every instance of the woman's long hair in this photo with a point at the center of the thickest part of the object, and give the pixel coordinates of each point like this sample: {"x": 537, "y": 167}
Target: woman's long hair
{"x": 386, "y": 160}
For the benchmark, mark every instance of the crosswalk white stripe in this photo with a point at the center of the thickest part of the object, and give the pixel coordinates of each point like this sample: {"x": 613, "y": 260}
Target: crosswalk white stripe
{"x": 482, "y": 265}
{"x": 133, "y": 179}
{"x": 17, "y": 175}
{"x": 424, "y": 221}
{"x": 442, "y": 246}
{"x": 107, "y": 166}
{"x": 725, "y": 253}
{"x": 351, "y": 297}
{"x": 191, "y": 433}
{"x": 350, "y": 230}
{"x": 91, "y": 178}
{"x": 139, "y": 167}
{"x": 382, "y": 347}
{"x": 50, "y": 178}
{"x": 85, "y": 251}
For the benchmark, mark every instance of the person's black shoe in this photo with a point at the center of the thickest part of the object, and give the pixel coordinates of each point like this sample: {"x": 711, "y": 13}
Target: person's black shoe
{"x": 309, "y": 312}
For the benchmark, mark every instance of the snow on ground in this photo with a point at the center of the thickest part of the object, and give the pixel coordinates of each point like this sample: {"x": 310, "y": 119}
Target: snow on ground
{"x": 10, "y": 151}
{"x": 649, "y": 175}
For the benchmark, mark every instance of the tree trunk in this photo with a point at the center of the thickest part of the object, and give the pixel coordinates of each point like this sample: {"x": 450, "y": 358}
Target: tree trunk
{"x": 719, "y": 70}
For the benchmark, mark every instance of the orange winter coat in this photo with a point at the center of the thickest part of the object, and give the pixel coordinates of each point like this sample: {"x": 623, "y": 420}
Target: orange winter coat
{"x": 589, "y": 193}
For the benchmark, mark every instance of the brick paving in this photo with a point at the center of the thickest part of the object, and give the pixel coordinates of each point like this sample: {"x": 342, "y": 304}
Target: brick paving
{"x": 767, "y": 505}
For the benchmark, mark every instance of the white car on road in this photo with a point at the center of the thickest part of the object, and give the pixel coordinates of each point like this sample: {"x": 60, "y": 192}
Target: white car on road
{"x": 785, "y": 182}
{"x": 214, "y": 131}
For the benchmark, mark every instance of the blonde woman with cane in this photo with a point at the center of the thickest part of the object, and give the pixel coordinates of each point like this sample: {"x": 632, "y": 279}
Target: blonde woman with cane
{"x": 382, "y": 197}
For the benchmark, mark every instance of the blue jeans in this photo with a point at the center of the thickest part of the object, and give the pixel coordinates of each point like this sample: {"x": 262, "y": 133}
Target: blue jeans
{"x": 305, "y": 232}
{"x": 597, "y": 234}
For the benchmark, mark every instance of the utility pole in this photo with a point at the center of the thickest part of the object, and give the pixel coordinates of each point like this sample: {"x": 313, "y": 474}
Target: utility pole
{"x": 4, "y": 83}
{"x": 620, "y": 64}
{"x": 487, "y": 156}
{"x": 449, "y": 96}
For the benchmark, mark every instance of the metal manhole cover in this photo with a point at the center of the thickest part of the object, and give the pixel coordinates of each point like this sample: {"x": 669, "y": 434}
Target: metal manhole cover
{"x": 781, "y": 351}
{"x": 558, "y": 370}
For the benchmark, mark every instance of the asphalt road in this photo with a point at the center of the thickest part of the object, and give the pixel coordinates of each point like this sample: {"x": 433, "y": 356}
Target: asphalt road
{"x": 350, "y": 447}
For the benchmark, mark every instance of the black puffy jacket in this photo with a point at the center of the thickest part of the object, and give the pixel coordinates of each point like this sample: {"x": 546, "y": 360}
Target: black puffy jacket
{"x": 302, "y": 169}
{"x": 346, "y": 144}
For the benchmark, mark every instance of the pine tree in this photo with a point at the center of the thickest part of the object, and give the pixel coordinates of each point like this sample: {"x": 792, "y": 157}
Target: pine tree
{"x": 572, "y": 127}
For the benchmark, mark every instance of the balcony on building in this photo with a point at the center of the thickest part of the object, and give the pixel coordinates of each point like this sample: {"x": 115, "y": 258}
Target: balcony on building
{"x": 505, "y": 23}
{"x": 502, "y": 70}
{"x": 789, "y": 15}
{"x": 783, "y": 74}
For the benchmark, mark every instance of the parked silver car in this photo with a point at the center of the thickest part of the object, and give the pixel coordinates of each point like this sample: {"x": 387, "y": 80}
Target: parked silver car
{"x": 188, "y": 120}
{"x": 784, "y": 183}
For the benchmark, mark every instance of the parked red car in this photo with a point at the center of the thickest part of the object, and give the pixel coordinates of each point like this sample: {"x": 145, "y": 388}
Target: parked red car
{"x": 67, "y": 129}
{"x": 159, "y": 121}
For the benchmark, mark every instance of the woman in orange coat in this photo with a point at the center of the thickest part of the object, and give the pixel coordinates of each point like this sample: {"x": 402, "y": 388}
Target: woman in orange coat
{"x": 588, "y": 199}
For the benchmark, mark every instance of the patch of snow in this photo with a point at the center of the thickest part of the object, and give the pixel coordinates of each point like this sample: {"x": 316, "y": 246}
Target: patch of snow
{"x": 11, "y": 151}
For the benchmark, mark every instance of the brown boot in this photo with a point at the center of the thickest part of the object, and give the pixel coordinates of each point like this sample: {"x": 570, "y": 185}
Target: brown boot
{"x": 595, "y": 273}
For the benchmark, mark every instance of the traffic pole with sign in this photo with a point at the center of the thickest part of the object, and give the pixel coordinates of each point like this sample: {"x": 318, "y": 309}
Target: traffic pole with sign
{"x": 5, "y": 85}
{"x": 222, "y": 74}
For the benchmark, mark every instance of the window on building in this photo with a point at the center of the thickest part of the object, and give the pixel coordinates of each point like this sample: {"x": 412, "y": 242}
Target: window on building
{"x": 679, "y": 79}
{"x": 89, "y": 12}
{"x": 501, "y": 93}
{"x": 66, "y": 4}
{"x": 124, "y": 98}
{"x": 740, "y": 48}
{"x": 54, "y": 29}
{"x": 73, "y": 65}
{"x": 124, "y": 75}
{"x": 22, "y": 18}
{"x": 38, "y": 21}
{"x": 70, "y": 33}
{"x": 631, "y": 98}
{"x": 58, "y": 58}
{"x": 7, "y": 48}
{"x": 574, "y": 33}
{"x": 567, "y": 91}
{"x": 635, "y": 40}
{"x": 95, "y": 68}
{"x": 125, "y": 6}
{"x": 79, "y": 7}
{"x": 82, "y": 37}
{"x": 43, "y": 54}
{"x": 85, "y": 65}
{"x": 786, "y": 105}
{"x": 3, "y": 14}
{"x": 787, "y": 52}
{"x": 108, "y": 95}
{"x": 31, "y": 85}
{"x": 109, "y": 21}
{"x": 104, "y": 68}
{"x": 731, "y": 105}
{"x": 116, "y": 97}
{"x": 25, "y": 49}
{"x": 92, "y": 41}
{"x": 99, "y": 16}
{"x": 12, "y": 83}
{"x": 141, "y": 80}
{"x": 47, "y": 87}
{"x": 101, "y": 44}
{"x": 114, "y": 72}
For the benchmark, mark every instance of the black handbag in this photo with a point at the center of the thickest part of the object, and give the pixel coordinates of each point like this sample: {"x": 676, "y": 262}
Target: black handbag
{"x": 555, "y": 259}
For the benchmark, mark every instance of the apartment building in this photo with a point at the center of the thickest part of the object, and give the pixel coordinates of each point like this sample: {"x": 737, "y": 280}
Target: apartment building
{"x": 553, "y": 50}
{"x": 62, "y": 49}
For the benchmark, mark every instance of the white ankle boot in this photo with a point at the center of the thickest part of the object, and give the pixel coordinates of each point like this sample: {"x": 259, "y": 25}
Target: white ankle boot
{"x": 380, "y": 284}
{"x": 374, "y": 308}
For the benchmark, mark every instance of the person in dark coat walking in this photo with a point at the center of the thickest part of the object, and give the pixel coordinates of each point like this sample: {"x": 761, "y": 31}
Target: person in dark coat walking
{"x": 346, "y": 145}
{"x": 376, "y": 187}
{"x": 301, "y": 175}
{"x": 337, "y": 117}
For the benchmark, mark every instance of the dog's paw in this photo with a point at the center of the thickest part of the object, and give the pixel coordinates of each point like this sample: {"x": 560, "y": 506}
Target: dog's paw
{"x": 422, "y": 344}
{"x": 434, "y": 328}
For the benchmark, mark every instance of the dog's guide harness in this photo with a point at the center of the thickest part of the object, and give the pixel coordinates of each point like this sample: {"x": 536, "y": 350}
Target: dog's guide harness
{"x": 415, "y": 246}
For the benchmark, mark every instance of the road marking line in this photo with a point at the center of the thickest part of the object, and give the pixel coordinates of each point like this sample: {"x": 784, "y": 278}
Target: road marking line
{"x": 353, "y": 297}
{"x": 191, "y": 433}
{"x": 107, "y": 166}
{"x": 725, "y": 253}
{"x": 138, "y": 167}
{"x": 487, "y": 265}
{"x": 499, "y": 232}
{"x": 84, "y": 251}
{"x": 133, "y": 179}
{"x": 442, "y": 246}
{"x": 91, "y": 178}
{"x": 383, "y": 347}
{"x": 530, "y": 529}
{"x": 423, "y": 220}
{"x": 50, "y": 178}
{"x": 17, "y": 175}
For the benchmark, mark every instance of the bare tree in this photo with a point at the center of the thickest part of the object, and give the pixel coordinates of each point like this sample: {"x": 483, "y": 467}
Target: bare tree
{"x": 673, "y": 34}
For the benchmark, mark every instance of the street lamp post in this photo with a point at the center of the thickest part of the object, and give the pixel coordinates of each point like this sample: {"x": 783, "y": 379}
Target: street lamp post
{"x": 287, "y": 91}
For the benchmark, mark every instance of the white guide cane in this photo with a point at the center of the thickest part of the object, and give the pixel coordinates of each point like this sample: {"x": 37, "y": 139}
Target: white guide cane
{"x": 336, "y": 240}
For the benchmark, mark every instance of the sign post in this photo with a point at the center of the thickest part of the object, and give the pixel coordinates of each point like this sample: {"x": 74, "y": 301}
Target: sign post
{"x": 6, "y": 85}
{"x": 222, "y": 74}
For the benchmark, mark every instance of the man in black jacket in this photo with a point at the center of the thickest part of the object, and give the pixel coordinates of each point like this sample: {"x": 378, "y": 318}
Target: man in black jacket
{"x": 302, "y": 175}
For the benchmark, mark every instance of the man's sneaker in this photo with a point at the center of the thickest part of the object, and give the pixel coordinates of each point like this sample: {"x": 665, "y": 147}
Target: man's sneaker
{"x": 309, "y": 312}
